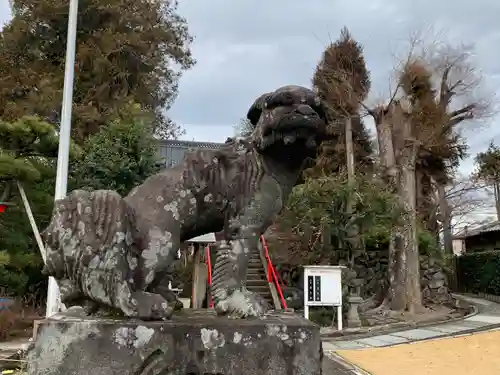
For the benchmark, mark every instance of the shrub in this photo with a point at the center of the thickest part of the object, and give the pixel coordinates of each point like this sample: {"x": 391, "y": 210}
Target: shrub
{"x": 121, "y": 156}
{"x": 480, "y": 272}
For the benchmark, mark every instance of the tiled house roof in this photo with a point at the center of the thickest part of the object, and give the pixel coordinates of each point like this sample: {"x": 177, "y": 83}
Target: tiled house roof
{"x": 490, "y": 227}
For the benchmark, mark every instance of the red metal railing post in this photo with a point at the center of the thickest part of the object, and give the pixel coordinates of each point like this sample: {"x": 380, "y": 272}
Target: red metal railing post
{"x": 272, "y": 274}
{"x": 209, "y": 265}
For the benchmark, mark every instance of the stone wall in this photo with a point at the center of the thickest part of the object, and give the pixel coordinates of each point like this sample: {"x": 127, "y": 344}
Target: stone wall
{"x": 435, "y": 287}
{"x": 370, "y": 269}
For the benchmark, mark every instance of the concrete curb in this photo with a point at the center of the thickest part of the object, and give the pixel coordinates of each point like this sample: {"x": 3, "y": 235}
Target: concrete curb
{"x": 465, "y": 332}
{"x": 355, "y": 370}
{"x": 397, "y": 327}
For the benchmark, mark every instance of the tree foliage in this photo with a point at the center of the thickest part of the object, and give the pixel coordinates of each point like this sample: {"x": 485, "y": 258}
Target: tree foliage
{"x": 488, "y": 165}
{"x": 121, "y": 156}
{"x": 28, "y": 147}
{"x": 318, "y": 207}
{"x": 488, "y": 171}
{"x": 28, "y": 150}
{"x": 342, "y": 80}
{"x": 480, "y": 272}
{"x": 244, "y": 128}
{"x": 126, "y": 50}
{"x": 445, "y": 88}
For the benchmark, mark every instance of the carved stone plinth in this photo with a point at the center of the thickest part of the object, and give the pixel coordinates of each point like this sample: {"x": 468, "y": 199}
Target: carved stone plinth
{"x": 195, "y": 342}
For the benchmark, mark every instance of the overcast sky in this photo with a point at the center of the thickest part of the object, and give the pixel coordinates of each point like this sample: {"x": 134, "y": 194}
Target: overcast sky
{"x": 247, "y": 47}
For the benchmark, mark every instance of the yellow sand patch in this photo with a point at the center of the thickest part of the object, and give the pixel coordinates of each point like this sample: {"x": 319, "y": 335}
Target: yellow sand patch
{"x": 468, "y": 355}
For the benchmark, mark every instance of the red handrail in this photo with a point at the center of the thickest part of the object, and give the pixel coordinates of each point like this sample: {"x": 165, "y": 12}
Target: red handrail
{"x": 273, "y": 272}
{"x": 209, "y": 265}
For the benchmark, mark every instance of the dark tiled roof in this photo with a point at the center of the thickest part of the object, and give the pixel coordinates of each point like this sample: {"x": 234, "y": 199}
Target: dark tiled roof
{"x": 490, "y": 227}
{"x": 190, "y": 144}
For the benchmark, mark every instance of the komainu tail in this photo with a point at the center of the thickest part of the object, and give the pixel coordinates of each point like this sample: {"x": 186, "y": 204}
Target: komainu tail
{"x": 83, "y": 224}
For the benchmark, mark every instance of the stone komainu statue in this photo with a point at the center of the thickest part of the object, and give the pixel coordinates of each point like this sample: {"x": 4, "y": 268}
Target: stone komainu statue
{"x": 110, "y": 252}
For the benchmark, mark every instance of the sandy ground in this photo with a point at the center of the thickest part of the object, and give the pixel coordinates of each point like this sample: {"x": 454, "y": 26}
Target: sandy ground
{"x": 467, "y": 355}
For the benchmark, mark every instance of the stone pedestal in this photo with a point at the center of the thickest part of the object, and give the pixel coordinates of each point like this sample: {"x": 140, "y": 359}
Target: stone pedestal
{"x": 353, "y": 319}
{"x": 196, "y": 342}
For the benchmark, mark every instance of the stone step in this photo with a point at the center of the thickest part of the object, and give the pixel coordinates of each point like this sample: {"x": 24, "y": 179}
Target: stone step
{"x": 257, "y": 278}
{"x": 255, "y": 265}
{"x": 256, "y": 282}
{"x": 256, "y": 270}
{"x": 261, "y": 289}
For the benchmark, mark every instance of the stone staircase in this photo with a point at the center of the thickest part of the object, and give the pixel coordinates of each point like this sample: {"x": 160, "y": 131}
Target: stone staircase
{"x": 257, "y": 279}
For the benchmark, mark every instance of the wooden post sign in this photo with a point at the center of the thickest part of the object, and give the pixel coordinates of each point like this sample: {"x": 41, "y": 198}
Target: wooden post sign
{"x": 323, "y": 287}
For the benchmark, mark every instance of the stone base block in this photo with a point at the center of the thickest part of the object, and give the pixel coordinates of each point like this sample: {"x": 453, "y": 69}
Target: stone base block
{"x": 193, "y": 343}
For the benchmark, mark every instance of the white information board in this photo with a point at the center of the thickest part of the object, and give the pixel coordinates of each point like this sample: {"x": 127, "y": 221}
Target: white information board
{"x": 323, "y": 287}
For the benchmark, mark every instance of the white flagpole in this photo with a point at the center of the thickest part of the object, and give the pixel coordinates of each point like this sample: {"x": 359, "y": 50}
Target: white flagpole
{"x": 53, "y": 298}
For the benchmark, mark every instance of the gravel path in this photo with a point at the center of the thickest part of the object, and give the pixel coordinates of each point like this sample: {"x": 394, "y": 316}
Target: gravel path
{"x": 461, "y": 355}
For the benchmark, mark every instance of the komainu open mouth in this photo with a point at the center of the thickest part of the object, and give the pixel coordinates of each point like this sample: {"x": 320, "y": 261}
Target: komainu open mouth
{"x": 289, "y": 115}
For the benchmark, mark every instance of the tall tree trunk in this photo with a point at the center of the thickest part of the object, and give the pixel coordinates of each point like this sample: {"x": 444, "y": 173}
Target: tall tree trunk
{"x": 410, "y": 237}
{"x": 353, "y": 234}
{"x": 396, "y": 295}
{"x": 496, "y": 189}
{"x": 408, "y": 194}
{"x": 444, "y": 208}
{"x": 349, "y": 149}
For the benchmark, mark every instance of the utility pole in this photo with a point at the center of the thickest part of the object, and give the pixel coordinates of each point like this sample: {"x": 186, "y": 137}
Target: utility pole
{"x": 53, "y": 297}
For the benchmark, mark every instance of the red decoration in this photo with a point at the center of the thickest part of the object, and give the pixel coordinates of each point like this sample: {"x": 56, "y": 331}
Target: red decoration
{"x": 3, "y": 206}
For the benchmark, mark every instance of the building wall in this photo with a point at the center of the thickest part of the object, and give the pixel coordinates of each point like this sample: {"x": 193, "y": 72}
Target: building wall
{"x": 458, "y": 246}
{"x": 173, "y": 151}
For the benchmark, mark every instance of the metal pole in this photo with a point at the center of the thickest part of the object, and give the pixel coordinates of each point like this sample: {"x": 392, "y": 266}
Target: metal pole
{"x": 53, "y": 298}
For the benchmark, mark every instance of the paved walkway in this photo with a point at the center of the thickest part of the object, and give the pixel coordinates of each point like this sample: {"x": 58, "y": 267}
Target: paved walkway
{"x": 487, "y": 319}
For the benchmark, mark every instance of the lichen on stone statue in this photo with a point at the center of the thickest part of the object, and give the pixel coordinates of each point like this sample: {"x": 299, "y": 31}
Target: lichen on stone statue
{"x": 113, "y": 252}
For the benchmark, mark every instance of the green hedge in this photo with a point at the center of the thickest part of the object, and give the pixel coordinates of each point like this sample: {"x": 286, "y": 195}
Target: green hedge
{"x": 479, "y": 272}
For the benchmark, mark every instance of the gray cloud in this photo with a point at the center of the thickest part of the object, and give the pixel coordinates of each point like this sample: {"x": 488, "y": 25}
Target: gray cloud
{"x": 4, "y": 12}
{"x": 245, "y": 48}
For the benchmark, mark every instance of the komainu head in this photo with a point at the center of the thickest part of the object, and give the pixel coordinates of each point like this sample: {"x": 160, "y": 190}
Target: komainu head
{"x": 290, "y": 123}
